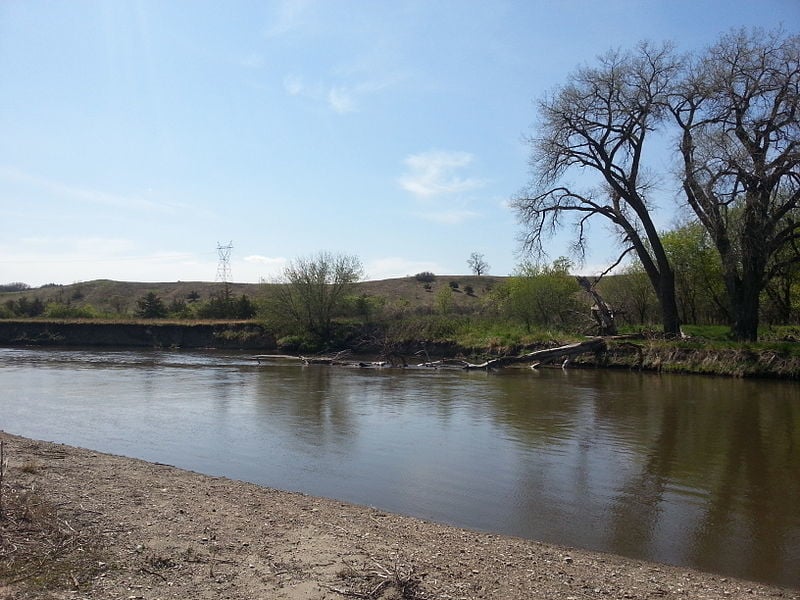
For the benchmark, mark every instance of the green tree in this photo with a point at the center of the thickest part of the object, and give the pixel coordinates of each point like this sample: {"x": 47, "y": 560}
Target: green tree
{"x": 444, "y": 299}
{"x": 698, "y": 275}
{"x": 781, "y": 304}
{"x": 631, "y": 295}
{"x": 543, "y": 295}
{"x": 313, "y": 290}
{"x": 223, "y": 306}
{"x": 150, "y": 306}
{"x": 737, "y": 113}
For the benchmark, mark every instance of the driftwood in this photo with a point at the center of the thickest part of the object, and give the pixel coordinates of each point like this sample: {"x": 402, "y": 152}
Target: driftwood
{"x": 542, "y": 357}
{"x": 539, "y": 357}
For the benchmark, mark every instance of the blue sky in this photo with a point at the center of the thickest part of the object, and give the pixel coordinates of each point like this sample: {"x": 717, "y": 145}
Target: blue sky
{"x": 136, "y": 136}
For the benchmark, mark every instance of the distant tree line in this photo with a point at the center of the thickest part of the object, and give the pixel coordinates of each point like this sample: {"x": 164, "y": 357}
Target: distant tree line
{"x": 315, "y": 305}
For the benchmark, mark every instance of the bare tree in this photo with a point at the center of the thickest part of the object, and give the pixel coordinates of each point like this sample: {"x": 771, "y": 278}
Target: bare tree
{"x": 478, "y": 264}
{"x": 313, "y": 290}
{"x": 598, "y": 123}
{"x": 737, "y": 110}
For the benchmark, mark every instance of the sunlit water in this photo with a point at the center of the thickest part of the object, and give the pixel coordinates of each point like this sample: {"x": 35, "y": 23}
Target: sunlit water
{"x": 692, "y": 471}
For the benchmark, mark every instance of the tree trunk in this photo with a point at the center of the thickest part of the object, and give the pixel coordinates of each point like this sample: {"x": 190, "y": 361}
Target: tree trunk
{"x": 669, "y": 305}
{"x": 663, "y": 280}
{"x": 745, "y": 297}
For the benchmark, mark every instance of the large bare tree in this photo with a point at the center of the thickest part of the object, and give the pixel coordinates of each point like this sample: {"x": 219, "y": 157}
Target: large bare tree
{"x": 737, "y": 109}
{"x": 313, "y": 289}
{"x": 599, "y": 123}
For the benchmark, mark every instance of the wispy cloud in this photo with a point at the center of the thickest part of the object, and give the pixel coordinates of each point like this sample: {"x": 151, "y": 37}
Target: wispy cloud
{"x": 88, "y": 195}
{"x": 290, "y": 15}
{"x": 436, "y": 173}
{"x": 270, "y": 261}
{"x": 294, "y": 85}
{"x": 342, "y": 98}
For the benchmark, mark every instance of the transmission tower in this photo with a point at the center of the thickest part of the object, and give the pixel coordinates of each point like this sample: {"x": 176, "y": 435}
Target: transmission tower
{"x": 224, "y": 264}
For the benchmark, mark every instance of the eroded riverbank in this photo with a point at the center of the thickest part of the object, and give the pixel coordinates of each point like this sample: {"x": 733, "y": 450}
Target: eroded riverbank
{"x": 140, "y": 530}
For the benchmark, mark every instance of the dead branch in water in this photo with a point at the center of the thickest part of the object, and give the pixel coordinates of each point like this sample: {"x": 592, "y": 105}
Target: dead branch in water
{"x": 539, "y": 357}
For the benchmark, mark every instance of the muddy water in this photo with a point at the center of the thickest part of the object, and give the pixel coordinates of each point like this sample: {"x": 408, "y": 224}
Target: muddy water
{"x": 688, "y": 470}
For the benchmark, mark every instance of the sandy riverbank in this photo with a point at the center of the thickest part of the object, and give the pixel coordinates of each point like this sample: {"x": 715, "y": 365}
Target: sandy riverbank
{"x": 81, "y": 524}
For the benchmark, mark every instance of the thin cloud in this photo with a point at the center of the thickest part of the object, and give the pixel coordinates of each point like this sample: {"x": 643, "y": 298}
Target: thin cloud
{"x": 84, "y": 194}
{"x": 341, "y": 100}
{"x": 290, "y": 16}
{"x": 347, "y": 98}
{"x": 278, "y": 261}
{"x": 436, "y": 173}
{"x": 294, "y": 86}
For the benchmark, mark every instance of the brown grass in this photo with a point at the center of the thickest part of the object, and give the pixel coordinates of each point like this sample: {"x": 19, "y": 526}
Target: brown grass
{"x": 120, "y": 296}
{"x": 42, "y": 545}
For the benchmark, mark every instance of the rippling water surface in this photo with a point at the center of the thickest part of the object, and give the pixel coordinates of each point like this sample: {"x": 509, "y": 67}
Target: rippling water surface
{"x": 693, "y": 471}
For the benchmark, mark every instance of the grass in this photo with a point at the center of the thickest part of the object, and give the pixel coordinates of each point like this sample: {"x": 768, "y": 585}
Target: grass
{"x": 40, "y": 547}
{"x": 110, "y": 299}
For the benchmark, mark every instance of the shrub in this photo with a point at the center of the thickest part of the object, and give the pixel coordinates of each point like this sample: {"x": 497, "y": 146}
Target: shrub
{"x": 25, "y": 307}
{"x": 58, "y": 310}
{"x": 220, "y": 306}
{"x": 297, "y": 343}
{"x": 425, "y": 277}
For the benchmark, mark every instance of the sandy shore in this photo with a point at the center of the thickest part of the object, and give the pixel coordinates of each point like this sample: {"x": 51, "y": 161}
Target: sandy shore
{"x": 116, "y": 527}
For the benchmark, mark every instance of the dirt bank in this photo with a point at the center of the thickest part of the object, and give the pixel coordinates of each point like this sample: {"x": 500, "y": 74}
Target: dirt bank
{"x": 142, "y": 334}
{"x": 81, "y": 524}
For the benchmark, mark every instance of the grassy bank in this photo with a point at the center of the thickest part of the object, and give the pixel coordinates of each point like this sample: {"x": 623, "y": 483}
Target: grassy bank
{"x": 403, "y": 316}
{"x": 703, "y": 357}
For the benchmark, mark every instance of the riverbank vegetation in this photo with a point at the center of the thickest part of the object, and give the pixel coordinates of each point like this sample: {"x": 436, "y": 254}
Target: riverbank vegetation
{"x": 477, "y": 317}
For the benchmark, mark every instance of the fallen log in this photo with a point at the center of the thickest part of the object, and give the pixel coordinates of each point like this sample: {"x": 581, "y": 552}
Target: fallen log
{"x": 541, "y": 357}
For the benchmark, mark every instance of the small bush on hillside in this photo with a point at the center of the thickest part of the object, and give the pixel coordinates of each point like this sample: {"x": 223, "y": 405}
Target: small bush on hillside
{"x": 425, "y": 277}
{"x": 454, "y": 285}
{"x": 58, "y": 310}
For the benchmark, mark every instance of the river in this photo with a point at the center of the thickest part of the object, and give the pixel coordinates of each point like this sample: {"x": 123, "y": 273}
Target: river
{"x": 687, "y": 470}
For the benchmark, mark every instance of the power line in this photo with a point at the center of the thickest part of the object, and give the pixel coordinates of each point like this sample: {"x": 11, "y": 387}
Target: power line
{"x": 224, "y": 264}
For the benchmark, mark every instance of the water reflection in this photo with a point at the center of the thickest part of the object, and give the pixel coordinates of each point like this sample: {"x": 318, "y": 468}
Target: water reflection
{"x": 688, "y": 470}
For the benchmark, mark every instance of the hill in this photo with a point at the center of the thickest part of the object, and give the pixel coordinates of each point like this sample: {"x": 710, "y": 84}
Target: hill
{"x": 119, "y": 297}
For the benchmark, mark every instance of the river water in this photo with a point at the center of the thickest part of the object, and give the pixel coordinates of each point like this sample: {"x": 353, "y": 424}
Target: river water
{"x": 688, "y": 470}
